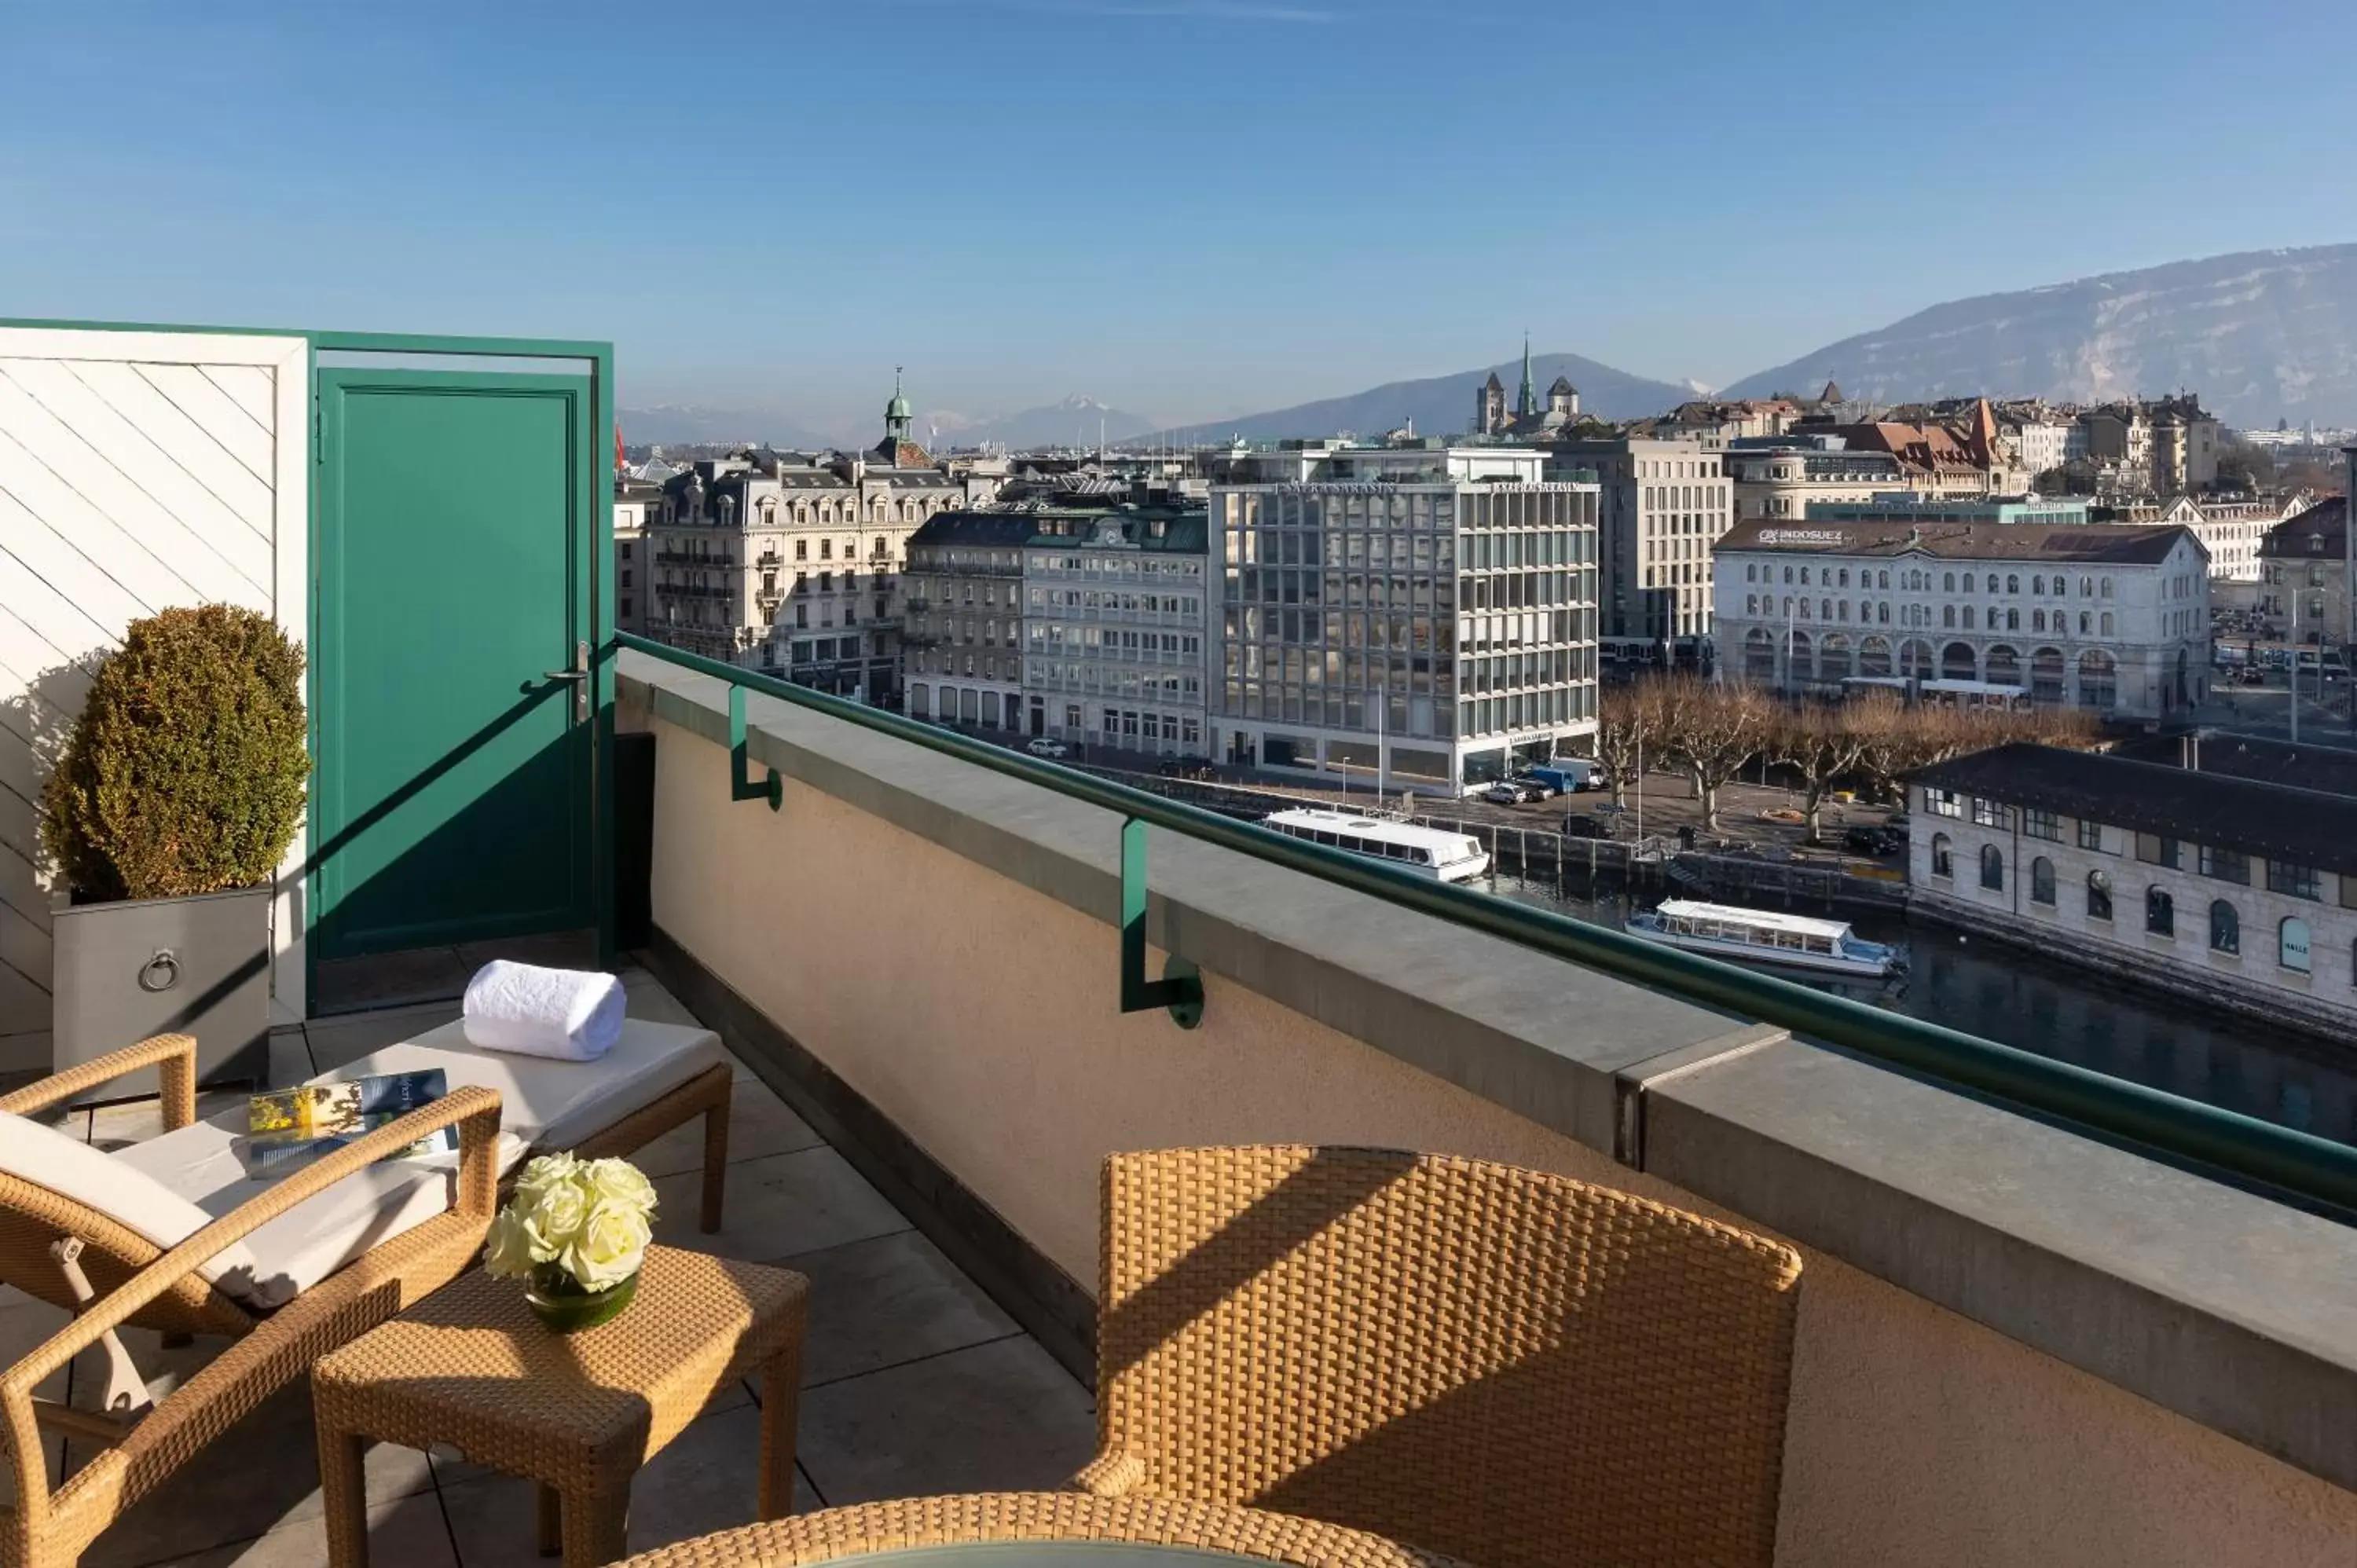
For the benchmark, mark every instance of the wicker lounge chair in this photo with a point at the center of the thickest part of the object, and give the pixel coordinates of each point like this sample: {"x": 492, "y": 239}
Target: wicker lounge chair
{"x": 1504, "y": 1366}
{"x": 70, "y": 1253}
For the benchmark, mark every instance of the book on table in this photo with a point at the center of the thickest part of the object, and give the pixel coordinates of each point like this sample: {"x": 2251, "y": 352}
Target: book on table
{"x": 289, "y": 1128}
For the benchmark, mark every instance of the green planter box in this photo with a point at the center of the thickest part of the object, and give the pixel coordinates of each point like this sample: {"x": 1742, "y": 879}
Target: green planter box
{"x": 151, "y": 966}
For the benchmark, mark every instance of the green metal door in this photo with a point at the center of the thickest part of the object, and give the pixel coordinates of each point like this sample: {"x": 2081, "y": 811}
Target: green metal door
{"x": 453, "y": 800}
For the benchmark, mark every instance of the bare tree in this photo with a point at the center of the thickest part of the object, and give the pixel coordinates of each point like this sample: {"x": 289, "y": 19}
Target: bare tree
{"x": 1712, "y": 729}
{"x": 1627, "y": 721}
{"x": 1824, "y": 745}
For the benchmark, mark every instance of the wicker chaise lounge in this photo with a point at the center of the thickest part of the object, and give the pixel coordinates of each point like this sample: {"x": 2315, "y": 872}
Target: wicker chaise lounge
{"x": 246, "y": 1274}
{"x": 1504, "y": 1366}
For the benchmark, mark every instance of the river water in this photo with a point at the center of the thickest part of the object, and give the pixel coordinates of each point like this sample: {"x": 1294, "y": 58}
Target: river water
{"x": 2058, "y": 1010}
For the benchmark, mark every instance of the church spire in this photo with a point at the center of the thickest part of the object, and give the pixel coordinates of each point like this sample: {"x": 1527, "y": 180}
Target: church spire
{"x": 1526, "y": 402}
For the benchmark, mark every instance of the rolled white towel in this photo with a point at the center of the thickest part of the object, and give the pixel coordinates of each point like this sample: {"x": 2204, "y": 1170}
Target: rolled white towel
{"x": 570, "y": 1014}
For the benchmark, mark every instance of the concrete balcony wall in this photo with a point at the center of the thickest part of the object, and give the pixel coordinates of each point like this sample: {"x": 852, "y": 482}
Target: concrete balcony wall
{"x": 2016, "y": 1346}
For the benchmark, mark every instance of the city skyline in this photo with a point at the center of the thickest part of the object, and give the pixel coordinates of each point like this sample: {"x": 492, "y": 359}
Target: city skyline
{"x": 1186, "y": 208}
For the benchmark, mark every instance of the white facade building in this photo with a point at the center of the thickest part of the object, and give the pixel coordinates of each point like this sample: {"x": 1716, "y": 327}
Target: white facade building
{"x": 1663, "y": 505}
{"x": 1417, "y": 614}
{"x": 2040, "y": 445}
{"x": 2112, "y": 618}
{"x": 2234, "y": 889}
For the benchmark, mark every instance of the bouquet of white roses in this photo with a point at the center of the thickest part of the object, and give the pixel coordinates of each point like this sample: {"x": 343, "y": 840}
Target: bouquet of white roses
{"x": 574, "y": 1226}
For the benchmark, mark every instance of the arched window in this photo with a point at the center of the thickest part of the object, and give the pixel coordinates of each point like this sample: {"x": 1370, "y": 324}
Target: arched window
{"x": 1944, "y": 863}
{"x": 2160, "y": 912}
{"x": 2291, "y": 945}
{"x": 1825, "y": 610}
{"x": 1845, "y": 577}
{"x": 2041, "y": 881}
{"x": 2003, "y": 666}
{"x": 1992, "y": 868}
{"x": 2098, "y": 679}
{"x": 1968, "y": 617}
{"x": 2225, "y": 927}
{"x": 1750, "y": 571}
{"x": 2037, "y": 620}
{"x": 1948, "y": 617}
{"x": 1968, "y": 582}
{"x": 2012, "y": 583}
{"x": 2038, "y": 586}
{"x": 2106, "y": 587}
{"x": 2104, "y": 627}
{"x": 1882, "y": 581}
{"x": 1947, "y": 582}
{"x": 1957, "y": 663}
{"x": 2012, "y": 621}
{"x": 2086, "y": 623}
{"x": 2099, "y": 895}
{"x": 1882, "y": 613}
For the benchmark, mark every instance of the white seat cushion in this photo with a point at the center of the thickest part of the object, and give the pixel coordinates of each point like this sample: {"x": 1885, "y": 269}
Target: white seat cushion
{"x": 553, "y": 1104}
{"x": 131, "y": 1195}
{"x": 289, "y": 1254}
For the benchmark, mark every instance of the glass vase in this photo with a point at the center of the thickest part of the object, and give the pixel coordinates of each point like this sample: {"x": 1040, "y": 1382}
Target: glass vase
{"x": 558, "y": 1299}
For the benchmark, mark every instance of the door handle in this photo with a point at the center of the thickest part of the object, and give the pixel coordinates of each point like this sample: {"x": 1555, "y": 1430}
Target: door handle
{"x": 577, "y": 677}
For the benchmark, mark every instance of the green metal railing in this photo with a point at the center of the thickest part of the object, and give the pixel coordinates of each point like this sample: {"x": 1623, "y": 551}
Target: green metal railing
{"x": 2298, "y": 1164}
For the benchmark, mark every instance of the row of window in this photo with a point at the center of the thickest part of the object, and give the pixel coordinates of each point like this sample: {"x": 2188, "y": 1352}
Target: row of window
{"x": 1918, "y": 581}
{"x": 2212, "y": 861}
{"x": 1967, "y": 618}
{"x": 2292, "y": 933}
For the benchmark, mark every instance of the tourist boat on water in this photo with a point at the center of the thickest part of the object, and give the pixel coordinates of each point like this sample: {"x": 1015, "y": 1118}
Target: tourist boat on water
{"x": 1431, "y": 851}
{"x": 1760, "y": 936}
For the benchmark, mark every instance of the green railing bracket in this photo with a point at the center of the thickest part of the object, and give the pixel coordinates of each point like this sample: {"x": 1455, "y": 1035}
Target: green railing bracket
{"x": 1181, "y": 989}
{"x": 740, "y": 784}
{"x": 2315, "y": 1169}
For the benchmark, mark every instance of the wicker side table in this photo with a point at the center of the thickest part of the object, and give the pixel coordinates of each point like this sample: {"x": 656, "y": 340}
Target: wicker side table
{"x": 471, "y": 1366}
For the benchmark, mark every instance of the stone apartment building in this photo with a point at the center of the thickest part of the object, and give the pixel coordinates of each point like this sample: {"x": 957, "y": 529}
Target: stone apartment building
{"x": 2108, "y": 617}
{"x": 1076, "y": 619}
{"x": 1422, "y": 613}
{"x": 1662, "y": 503}
{"x": 2241, "y": 890}
{"x": 790, "y": 563}
{"x": 634, "y": 500}
{"x": 962, "y": 636}
{"x": 2162, "y": 446}
{"x": 1780, "y": 479}
{"x": 2303, "y": 589}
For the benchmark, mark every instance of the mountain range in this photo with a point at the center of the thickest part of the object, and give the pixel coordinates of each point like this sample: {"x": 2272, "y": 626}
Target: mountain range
{"x": 1076, "y": 421}
{"x": 1442, "y": 405}
{"x": 2260, "y": 335}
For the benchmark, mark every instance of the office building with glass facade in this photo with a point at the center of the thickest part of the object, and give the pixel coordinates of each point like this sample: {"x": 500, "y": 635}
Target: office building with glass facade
{"x": 1422, "y": 615}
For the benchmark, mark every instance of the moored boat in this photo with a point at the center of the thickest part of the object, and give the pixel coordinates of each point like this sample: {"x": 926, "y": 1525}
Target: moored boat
{"x": 1762, "y": 935}
{"x": 1429, "y": 851}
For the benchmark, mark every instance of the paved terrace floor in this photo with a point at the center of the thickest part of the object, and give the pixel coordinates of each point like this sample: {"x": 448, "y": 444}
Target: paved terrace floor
{"x": 914, "y": 1381}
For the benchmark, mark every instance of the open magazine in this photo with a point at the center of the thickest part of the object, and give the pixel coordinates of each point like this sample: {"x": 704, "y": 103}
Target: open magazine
{"x": 289, "y": 1128}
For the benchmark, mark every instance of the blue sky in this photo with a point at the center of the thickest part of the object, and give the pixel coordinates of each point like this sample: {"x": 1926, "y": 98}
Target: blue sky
{"x": 1186, "y": 208}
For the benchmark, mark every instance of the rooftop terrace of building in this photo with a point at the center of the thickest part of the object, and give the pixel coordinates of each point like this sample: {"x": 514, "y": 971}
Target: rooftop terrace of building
{"x": 2019, "y": 1343}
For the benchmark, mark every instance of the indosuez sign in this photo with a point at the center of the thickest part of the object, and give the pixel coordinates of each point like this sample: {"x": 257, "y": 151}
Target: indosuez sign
{"x": 1773, "y": 536}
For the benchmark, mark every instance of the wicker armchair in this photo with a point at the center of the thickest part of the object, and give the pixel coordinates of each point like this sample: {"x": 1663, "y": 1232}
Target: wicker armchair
{"x": 1504, "y": 1366}
{"x": 136, "y": 1282}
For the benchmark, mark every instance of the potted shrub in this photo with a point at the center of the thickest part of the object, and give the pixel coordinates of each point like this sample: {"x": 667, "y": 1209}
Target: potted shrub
{"x": 171, "y": 805}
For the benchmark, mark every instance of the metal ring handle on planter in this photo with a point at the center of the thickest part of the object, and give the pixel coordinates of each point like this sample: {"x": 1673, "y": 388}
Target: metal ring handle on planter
{"x": 161, "y": 972}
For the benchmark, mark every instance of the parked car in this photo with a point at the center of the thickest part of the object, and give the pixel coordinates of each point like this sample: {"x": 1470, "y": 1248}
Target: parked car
{"x": 1512, "y": 792}
{"x": 1873, "y": 841}
{"x": 2247, "y": 676}
{"x": 1044, "y": 747}
{"x": 1580, "y": 825}
{"x": 1537, "y": 780}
